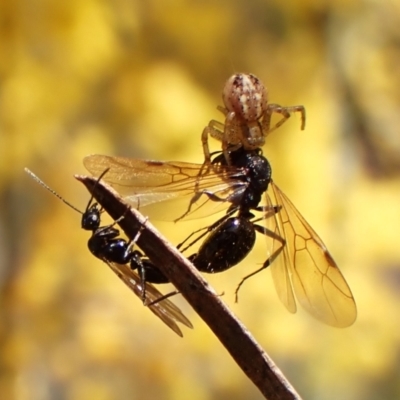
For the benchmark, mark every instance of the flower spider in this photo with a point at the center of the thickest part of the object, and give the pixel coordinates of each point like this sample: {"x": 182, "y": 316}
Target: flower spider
{"x": 247, "y": 116}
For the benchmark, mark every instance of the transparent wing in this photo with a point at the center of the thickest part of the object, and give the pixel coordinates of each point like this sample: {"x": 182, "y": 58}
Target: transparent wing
{"x": 167, "y": 311}
{"x": 143, "y": 183}
{"x": 306, "y": 268}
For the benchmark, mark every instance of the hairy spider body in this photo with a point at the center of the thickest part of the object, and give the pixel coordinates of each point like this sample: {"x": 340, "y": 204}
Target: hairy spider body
{"x": 247, "y": 116}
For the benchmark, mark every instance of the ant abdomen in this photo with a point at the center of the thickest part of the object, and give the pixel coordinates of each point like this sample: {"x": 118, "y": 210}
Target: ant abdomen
{"x": 225, "y": 246}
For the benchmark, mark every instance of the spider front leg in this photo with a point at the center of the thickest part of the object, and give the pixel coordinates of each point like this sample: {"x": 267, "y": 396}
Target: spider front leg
{"x": 232, "y": 137}
{"x": 214, "y": 129}
{"x": 286, "y": 112}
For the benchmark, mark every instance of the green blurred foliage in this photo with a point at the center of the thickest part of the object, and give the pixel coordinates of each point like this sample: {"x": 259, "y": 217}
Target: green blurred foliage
{"x": 142, "y": 79}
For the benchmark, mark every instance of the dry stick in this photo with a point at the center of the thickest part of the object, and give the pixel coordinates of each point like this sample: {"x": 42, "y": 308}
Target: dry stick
{"x": 248, "y": 354}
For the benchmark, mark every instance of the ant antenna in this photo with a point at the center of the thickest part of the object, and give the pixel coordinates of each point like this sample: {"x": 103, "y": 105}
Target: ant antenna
{"x": 98, "y": 180}
{"x": 40, "y": 182}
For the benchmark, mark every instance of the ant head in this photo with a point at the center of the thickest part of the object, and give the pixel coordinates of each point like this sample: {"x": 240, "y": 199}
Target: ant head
{"x": 91, "y": 217}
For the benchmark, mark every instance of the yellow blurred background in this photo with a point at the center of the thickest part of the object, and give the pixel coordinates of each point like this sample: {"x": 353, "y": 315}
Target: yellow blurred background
{"x": 142, "y": 79}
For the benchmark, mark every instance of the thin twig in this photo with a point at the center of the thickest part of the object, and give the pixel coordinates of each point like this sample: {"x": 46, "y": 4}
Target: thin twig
{"x": 234, "y": 336}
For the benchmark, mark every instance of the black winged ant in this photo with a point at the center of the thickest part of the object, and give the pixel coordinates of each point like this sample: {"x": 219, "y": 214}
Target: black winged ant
{"x": 232, "y": 237}
{"x": 299, "y": 261}
{"x": 117, "y": 253}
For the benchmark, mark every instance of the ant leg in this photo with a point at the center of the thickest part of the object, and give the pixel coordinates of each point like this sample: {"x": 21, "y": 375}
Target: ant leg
{"x": 136, "y": 259}
{"x": 148, "y": 272}
{"x": 165, "y": 296}
{"x": 138, "y": 233}
{"x": 136, "y": 263}
{"x": 270, "y": 259}
{"x": 115, "y": 222}
{"x": 206, "y": 230}
{"x": 269, "y": 211}
{"x": 211, "y": 196}
{"x": 193, "y": 200}
{"x": 109, "y": 227}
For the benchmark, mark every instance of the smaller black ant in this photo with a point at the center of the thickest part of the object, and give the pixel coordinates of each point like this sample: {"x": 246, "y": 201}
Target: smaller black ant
{"x": 117, "y": 253}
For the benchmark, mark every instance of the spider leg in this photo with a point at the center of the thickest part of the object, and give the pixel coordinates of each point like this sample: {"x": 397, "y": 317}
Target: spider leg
{"x": 286, "y": 112}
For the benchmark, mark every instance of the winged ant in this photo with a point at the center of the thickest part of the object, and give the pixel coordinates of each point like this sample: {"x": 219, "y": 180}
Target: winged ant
{"x": 237, "y": 180}
{"x": 117, "y": 253}
{"x": 299, "y": 261}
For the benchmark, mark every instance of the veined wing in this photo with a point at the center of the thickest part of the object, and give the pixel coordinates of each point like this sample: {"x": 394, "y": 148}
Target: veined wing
{"x": 306, "y": 268}
{"x": 143, "y": 183}
{"x": 167, "y": 311}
